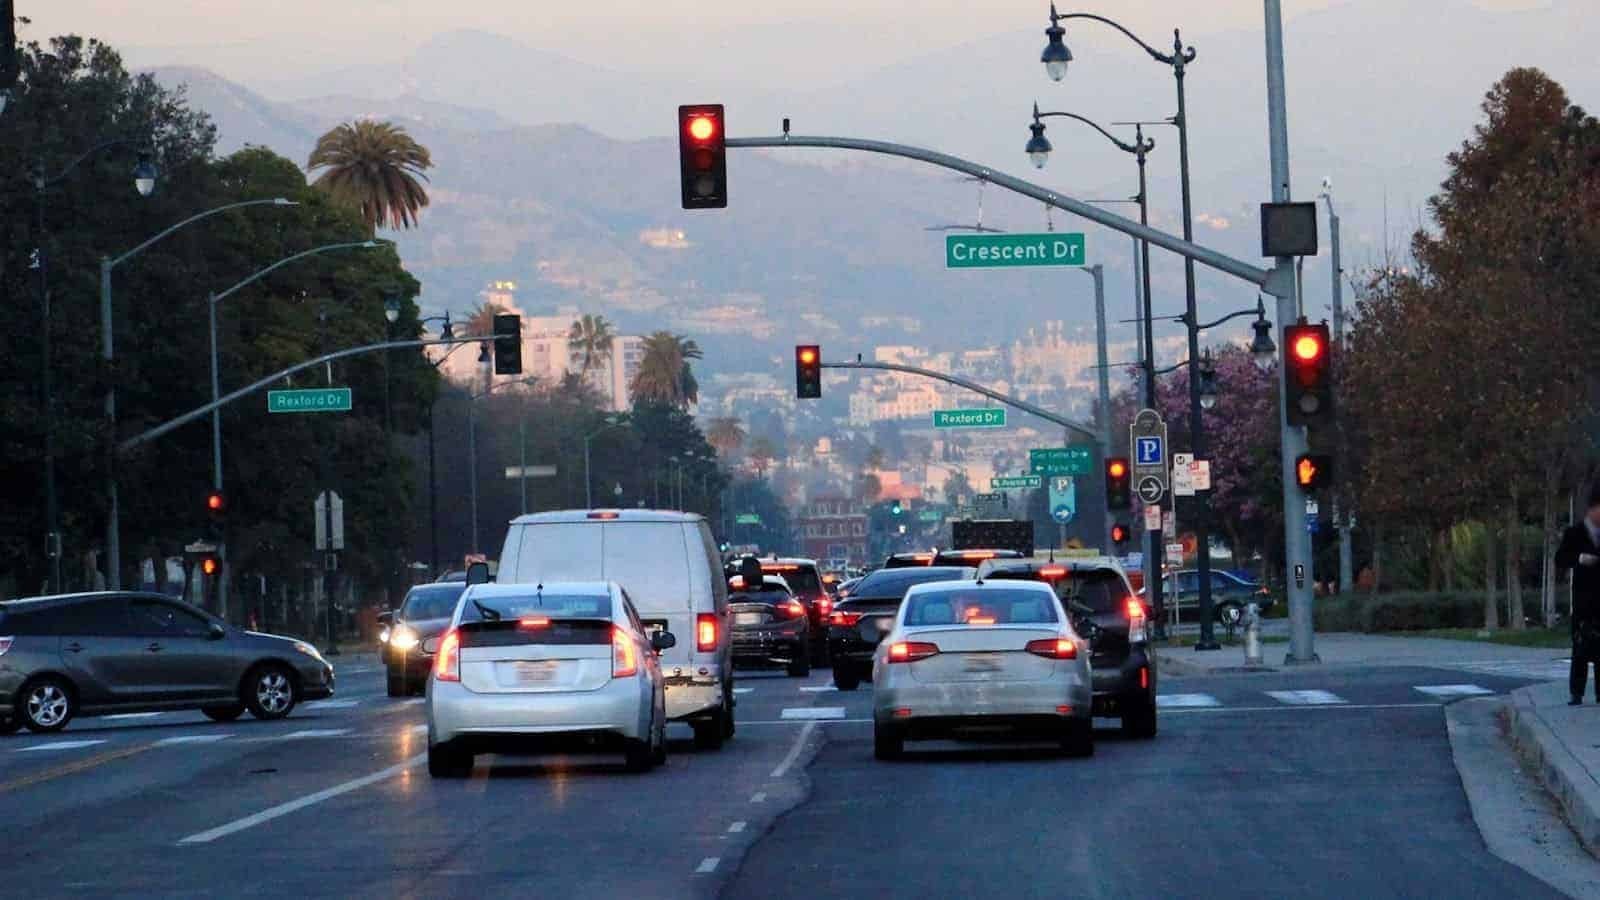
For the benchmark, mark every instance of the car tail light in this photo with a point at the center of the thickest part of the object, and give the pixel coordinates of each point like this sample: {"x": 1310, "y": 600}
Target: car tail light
{"x": 705, "y": 633}
{"x": 624, "y": 658}
{"x": 533, "y": 622}
{"x": 447, "y": 662}
{"x": 911, "y": 651}
{"x": 823, "y": 604}
{"x": 1144, "y": 677}
{"x": 1054, "y": 648}
{"x": 980, "y": 620}
{"x": 1136, "y": 620}
{"x": 793, "y": 609}
{"x": 846, "y": 619}
{"x": 5, "y": 644}
{"x": 1051, "y": 572}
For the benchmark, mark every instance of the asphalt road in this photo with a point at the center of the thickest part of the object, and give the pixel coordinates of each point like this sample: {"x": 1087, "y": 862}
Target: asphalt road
{"x": 1345, "y": 789}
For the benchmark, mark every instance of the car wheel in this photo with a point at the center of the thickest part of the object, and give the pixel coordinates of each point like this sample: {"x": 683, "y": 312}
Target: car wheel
{"x": 270, "y": 692}
{"x": 1229, "y": 615}
{"x": 447, "y": 762}
{"x": 800, "y": 665}
{"x": 708, "y": 733}
{"x": 660, "y": 751}
{"x": 1078, "y": 740}
{"x": 47, "y": 705}
{"x": 223, "y": 713}
{"x": 845, "y": 677}
{"x": 397, "y": 685}
{"x": 1140, "y": 721}
{"x": 639, "y": 756}
{"x": 887, "y": 742}
{"x": 10, "y": 724}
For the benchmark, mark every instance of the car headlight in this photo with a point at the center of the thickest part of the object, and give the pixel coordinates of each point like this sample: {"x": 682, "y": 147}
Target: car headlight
{"x": 403, "y": 639}
{"x": 383, "y": 635}
{"x": 307, "y": 649}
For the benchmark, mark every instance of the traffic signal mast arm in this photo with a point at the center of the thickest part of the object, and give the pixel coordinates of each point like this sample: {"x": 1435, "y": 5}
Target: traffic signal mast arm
{"x": 976, "y": 388}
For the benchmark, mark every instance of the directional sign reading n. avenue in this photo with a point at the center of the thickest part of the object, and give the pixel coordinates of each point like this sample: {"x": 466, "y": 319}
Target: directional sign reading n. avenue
{"x": 969, "y": 418}
{"x": 990, "y": 251}
{"x": 1012, "y": 482}
{"x": 311, "y": 400}
{"x": 1075, "y": 460}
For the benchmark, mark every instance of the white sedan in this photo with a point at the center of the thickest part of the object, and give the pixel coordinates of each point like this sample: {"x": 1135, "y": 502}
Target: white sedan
{"x": 968, "y": 656}
{"x": 533, "y": 668}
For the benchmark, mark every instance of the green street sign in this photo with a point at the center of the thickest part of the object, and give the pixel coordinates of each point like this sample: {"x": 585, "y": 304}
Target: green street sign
{"x": 969, "y": 418}
{"x": 747, "y": 519}
{"x": 312, "y": 400}
{"x": 1012, "y": 482}
{"x": 1075, "y": 460}
{"x": 1004, "y": 251}
{"x": 929, "y": 515}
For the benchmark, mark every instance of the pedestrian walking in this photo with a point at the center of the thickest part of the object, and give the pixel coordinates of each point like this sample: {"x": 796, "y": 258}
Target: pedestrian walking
{"x": 1580, "y": 552}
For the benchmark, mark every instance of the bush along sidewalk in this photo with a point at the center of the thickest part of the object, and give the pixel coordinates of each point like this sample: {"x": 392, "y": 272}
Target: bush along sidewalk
{"x": 1402, "y": 611}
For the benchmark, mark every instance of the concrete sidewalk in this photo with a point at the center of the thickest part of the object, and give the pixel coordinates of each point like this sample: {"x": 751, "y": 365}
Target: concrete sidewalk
{"x": 1562, "y": 744}
{"x": 1358, "y": 650}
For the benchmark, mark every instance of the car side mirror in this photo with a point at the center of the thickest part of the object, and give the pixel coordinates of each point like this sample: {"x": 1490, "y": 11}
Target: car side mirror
{"x": 216, "y": 632}
{"x": 663, "y": 640}
{"x": 386, "y": 617}
{"x": 478, "y": 573}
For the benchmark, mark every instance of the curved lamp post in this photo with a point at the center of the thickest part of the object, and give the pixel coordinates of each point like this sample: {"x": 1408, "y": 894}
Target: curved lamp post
{"x": 472, "y": 435}
{"x": 447, "y": 331}
{"x": 612, "y": 421}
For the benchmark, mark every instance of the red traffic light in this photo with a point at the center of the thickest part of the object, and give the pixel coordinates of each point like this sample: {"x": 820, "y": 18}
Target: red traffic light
{"x": 808, "y": 355}
{"x": 215, "y": 502}
{"x": 703, "y": 156}
{"x": 1308, "y": 347}
{"x": 807, "y": 371}
{"x": 1116, "y": 468}
{"x": 209, "y": 565}
{"x": 702, "y": 127}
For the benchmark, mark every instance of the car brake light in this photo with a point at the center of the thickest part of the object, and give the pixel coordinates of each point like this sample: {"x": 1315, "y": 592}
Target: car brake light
{"x": 1053, "y": 572}
{"x": 1136, "y": 621}
{"x": 5, "y": 644}
{"x": 1053, "y": 648}
{"x": 603, "y": 515}
{"x": 780, "y": 567}
{"x": 533, "y": 622}
{"x": 911, "y": 651}
{"x": 846, "y": 619}
{"x": 705, "y": 633}
{"x": 624, "y": 659}
{"x": 447, "y": 663}
{"x": 794, "y": 609}
{"x": 1144, "y": 677}
{"x": 978, "y": 554}
{"x": 1135, "y": 608}
{"x": 980, "y": 620}
{"x": 823, "y": 604}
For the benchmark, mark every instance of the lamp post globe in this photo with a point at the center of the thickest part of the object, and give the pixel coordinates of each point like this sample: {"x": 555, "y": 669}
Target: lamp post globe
{"x": 1038, "y": 148}
{"x": 1056, "y": 56}
{"x": 1262, "y": 350}
{"x": 144, "y": 176}
{"x": 391, "y": 308}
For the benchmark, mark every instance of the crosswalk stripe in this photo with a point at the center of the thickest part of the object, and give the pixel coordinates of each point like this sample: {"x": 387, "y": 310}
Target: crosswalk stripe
{"x": 1178, "y": 701}
{"x": 331, "y": 704}
{"x": 59, "y": 745}
{"x": 316, "y": 733}
{"x": 1306, "y": 698}
{"x": 814, "y": 712}
{"x": 192, "y": 739}
{"x": 1452, "y": 690}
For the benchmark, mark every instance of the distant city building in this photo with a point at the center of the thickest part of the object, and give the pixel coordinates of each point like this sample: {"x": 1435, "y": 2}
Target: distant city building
{"x": 833, "y": 530}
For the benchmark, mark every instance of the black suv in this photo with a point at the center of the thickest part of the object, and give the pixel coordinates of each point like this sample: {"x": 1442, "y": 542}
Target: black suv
{"x": 859, "y": 622}
{"x": 1104, "y": 609}
{"x": 112, "y": 652}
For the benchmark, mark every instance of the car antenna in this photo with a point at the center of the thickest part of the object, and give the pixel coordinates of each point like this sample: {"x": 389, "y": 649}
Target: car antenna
{"x": 538, "y": 593}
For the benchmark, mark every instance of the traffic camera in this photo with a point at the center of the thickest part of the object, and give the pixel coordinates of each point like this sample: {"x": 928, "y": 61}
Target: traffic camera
{"x": 1310, "y": 374}
{"x": 508, "y": 345}
{"x": 703, "y": 156}
{"x": 808, "y": 371}
{"x": 1313, "y": 471}
{"x": 1119, "y": 477}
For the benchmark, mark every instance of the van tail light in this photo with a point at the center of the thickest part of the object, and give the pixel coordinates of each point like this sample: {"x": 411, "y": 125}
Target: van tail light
{"x": 844, "y": 619}
{"x": 911, "y": 651}
{"x": 5, "y": 644}
{"x": 705, "y": 632}
{"x": 447, "y": 662}
{"x": 1137, "y": 620}
{"x": 624, "y": 657}
{"x": 1054, "y": 648}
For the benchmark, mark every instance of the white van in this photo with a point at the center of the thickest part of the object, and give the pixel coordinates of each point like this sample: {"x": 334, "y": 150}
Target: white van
{"x": 669, "y": 565}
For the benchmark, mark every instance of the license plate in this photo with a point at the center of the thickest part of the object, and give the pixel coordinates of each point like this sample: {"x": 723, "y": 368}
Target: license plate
{"x": 749, "y": 618}
{"x": 982, "y": 664}
{"x": 541, "y": 672}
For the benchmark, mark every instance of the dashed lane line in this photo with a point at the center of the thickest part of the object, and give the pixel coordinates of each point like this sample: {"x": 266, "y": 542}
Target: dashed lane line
{"x": 1181, "y": 701}
{"x": 707, "y": 865}
{"x": 60, "y": 745}
{"x": 1453, "y": 690}
{"x": 758, "y": 797}
{"x": 315, "y": 733}
{"x": 1306, "y": 698}
{"x": 813, "y": 712}
{"x": 737, "y": 827}
{"x": 192, "y": 739}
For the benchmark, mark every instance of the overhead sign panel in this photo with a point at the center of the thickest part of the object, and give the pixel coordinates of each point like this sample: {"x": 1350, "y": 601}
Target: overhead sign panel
{"x": 1001, "y": 251}
{"x": 1013, "y": 482}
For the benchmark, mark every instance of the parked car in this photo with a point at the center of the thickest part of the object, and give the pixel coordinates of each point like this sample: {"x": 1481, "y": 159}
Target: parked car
{"x": 860, "y": 621}
{"x": 70, "y": 655}
{"x": 669, "y": 564}
{"x": 409, "y": 640}
{"x": 1230, "y": 594}
{"x": 557, "y": 665}
{"x": 769, "y": 627}
{"x": 969, "y": 655}
{"x": 1115, "y": 623}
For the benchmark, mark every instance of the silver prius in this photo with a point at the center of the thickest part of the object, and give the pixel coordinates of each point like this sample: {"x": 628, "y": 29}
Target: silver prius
{"x": 965, "y": 658}
{"x": 542, "y": 667}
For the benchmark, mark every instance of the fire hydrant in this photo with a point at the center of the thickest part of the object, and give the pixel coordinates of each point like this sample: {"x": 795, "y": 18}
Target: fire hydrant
{"x": 1252, "y": 635}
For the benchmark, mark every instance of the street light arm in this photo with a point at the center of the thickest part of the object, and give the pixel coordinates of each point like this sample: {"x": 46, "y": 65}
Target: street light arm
{"x": 1258, "y": 311}
{"x": 1149, "y": 144}
{"x": 473, "y": 398}
{"x": 275, "y": 201}
{"x": 973, "y": 386}
{"x": 218, "y": 298}
{"x": 41, "y": 182}
{"x": 1157, "y": 55}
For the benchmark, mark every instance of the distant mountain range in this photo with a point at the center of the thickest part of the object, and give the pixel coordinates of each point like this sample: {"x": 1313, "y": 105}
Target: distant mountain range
{"x": 834, "y": 247}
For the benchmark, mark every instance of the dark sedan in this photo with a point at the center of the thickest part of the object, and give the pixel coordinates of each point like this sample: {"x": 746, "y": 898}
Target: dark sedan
{"x": 770, "y": 627}
{"x": 412, "y": 635}
{"x": 117, "y": 652}
{"x": 859, "y": 622}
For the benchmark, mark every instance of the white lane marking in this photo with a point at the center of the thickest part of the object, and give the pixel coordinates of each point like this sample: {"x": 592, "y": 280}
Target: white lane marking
{"x": 794, "y": 751}
{"x": 707, "y": 865}
{"x": 1177, "y": 701}
{"x": 1452, "y": 690}
{"x": 283, "y": 809}
{"x": 743, "y": 690}
{"x": 742, "y": 722}
{"x": 192, "y": 739}
{"x": 331, "y": 704}
{"x": 818, "y": 689}
{"x": 758, "y": 797}
{"x": 814, "y": 712}
{"x": 737, "y": 827}
{"x": 59, "y": 745}
{"x": 1306, "y": 698}
{"x": 143, "y": 715}
{"x": 316, "y": 733}
{"x": 1292, "y": 708}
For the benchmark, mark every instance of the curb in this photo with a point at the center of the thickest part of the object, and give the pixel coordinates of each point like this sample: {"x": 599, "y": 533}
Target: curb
{"x": 1573, "y": 787}
{"x": 1171, "y": 662}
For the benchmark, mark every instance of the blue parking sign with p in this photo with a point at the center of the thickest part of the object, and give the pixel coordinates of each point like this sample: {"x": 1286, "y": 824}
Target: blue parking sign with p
{"x": 1148, "y": 451}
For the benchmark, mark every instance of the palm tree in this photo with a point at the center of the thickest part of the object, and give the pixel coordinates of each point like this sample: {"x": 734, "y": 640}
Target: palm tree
{"x": 762, "y": 452}
{"x": 375, "y": 167}
{"x": 664, "y": 374}
{"x": 481, "y": 320}
{"x": 590, "y": 340}
{"x": 726, "y": 434}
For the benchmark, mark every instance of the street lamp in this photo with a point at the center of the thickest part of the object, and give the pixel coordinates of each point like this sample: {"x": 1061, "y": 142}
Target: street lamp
{"x": 1208, "y": 382}
{"x": 144, "y": 175}
{"x": 1262, "y": 348}
{"x": 1038, "y": 148}
{"x": 1056, "y": 54}
{"x": 588, "y": 481}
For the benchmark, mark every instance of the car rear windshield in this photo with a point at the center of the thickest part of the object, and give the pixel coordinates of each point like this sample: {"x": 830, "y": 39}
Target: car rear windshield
{"x": 538, "y": 606}
{"x": 892, "y": 584}
{"x": 981, "y": 606}
{"x": 432, "y": 602}
{"x": 802, "y": 580}
{"x": 1098, "y": 590}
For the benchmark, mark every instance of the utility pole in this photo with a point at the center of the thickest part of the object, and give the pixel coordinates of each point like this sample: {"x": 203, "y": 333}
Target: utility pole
{"x": 331, "y": 561}
{"x": 1296, "y": 542}
{"x": 1103, "y": 417}
{"x": 1341, "y": 506}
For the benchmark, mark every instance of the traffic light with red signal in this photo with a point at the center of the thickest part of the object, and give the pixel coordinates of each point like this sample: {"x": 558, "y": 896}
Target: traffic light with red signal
{"x": 1119, "y": 535}
{"x": 703, "y": 156}
{"x": 1309, "y": 360}
{"x": 216, "y": 512}
{"x": 1313, "y": 471}
{"x": 808, "y": 371}
{"x": 1119, "y": 483}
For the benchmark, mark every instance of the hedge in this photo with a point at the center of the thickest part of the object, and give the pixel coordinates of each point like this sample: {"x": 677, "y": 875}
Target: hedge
{"x": 1403, "y": 611}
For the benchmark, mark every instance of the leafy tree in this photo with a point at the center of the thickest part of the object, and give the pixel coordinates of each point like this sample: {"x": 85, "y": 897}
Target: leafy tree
{"x": 664, "y": 375}
{"x": 762, "y": 452}
{"x": 375, "y": 167}
{"x": 726, "y": 434}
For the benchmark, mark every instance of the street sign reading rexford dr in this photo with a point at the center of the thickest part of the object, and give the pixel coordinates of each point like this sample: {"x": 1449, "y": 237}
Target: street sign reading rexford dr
{"x": 1075, "y": 460}
{"x": 312, "y": 400}
{"x": 990, "y": 251}
{"x": 969, "y": 418}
